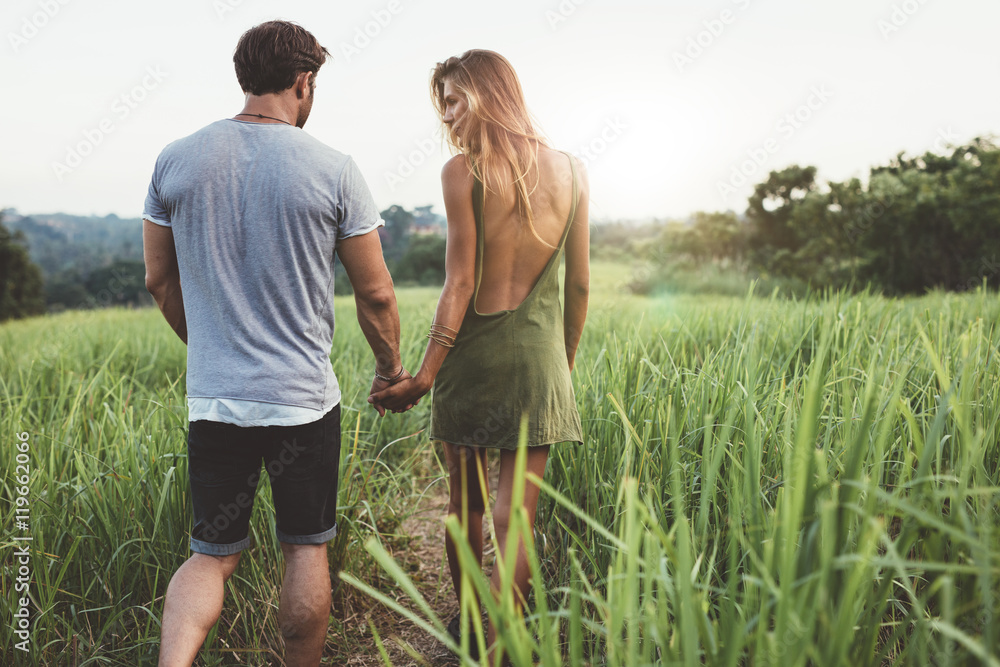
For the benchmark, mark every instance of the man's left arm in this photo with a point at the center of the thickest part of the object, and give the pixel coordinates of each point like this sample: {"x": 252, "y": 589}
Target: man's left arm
{"x": 163, "y": 278}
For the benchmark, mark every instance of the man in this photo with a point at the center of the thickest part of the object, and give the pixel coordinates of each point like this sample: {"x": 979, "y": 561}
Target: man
{"x": 246, "y": 215}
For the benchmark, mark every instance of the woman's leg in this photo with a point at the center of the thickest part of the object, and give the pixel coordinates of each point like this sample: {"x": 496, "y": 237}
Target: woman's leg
{"x": 467, "y": 494}
{"x": 502, "y": 512}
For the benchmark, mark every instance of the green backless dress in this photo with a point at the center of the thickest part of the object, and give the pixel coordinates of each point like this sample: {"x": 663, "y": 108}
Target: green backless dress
{"x": 508, "y": 364}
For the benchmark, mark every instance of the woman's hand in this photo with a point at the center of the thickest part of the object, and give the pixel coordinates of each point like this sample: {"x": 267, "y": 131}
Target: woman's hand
{"x": 399, "y": 397}
{"x": 378, "y": 385}
{"x": 459, "y": 285}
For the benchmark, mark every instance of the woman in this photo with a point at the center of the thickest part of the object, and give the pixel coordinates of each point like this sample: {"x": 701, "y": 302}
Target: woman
{"x": 500, "y": 346}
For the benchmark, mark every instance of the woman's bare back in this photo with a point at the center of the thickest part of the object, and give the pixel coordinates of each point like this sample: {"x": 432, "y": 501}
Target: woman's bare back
{"x": 513, "y": 259}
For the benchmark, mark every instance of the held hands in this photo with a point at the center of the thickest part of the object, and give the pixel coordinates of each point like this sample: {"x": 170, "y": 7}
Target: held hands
{"x": 380, "y": 385}
{"x": 399, "y": 396}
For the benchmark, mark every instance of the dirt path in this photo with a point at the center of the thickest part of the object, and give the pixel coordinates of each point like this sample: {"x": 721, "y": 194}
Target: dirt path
{"x": 425, "y": 562}
{"x": 423, "y": 558}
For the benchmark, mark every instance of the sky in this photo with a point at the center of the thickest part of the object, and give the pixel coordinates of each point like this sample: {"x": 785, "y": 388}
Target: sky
{"x": 675, "y": 106}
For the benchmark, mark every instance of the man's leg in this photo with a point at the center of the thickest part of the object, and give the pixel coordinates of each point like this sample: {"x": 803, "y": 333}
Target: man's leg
{"x": 192, "y": 606}
{"x": 223, "y": 470}
{"x": 304, "y": 611}
{"x": 303, "y": 463}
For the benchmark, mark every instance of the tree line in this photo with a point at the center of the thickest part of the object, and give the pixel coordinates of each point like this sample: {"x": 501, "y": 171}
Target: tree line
{"x": 83, "y": 261}
{"x": 59, "y": 262}
{"x": 413, "y": 244}
{"x": 920, "y": 223}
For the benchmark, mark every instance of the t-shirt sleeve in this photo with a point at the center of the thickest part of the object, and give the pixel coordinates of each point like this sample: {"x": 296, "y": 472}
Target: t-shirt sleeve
{"x": 357, "y": 212}
{"x": 154, "y": 210}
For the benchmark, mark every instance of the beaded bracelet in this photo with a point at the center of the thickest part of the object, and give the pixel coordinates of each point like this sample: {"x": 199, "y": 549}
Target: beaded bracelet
{"x": 393, "y": 379}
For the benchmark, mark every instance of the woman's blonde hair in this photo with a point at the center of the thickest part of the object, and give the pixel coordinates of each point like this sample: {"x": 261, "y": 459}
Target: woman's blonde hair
{"x": 499, "y": 131}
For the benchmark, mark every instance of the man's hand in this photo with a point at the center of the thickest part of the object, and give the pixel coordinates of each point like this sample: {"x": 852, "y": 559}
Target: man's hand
{"x": 398, "y": 397}
{"x": 379, "y": 385}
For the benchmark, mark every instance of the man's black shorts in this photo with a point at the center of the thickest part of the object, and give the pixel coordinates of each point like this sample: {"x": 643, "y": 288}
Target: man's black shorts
{"x": 224, "y": 466}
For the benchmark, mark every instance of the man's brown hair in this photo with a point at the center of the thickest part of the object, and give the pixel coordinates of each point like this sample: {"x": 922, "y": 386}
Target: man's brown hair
{"x": 269, "y": 56}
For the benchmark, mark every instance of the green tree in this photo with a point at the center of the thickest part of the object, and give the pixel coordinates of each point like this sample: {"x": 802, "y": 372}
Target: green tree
{"x": 718, "y": 236}
{"x": 396, "y": 234}
{"x": 66, "y": 291}
{"x": 423, "y": 261}
{"x": 931, "y": 221}
{"x": 22, "y": 293}
{"x": 771, "y": 209}
{"x": 122, "y": 283}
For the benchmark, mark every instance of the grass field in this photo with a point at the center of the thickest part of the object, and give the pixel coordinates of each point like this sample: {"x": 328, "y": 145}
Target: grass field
{"x": 764, "y": 482}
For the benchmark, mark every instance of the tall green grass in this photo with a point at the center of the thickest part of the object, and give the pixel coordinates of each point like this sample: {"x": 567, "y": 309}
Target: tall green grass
{"x": 101, "y": 395}
{"x": 764, "y": 481}
{"x": 772, "y": 482}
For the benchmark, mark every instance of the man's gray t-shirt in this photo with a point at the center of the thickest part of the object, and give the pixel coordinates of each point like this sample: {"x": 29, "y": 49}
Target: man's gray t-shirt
{"x": 256, "y": 212}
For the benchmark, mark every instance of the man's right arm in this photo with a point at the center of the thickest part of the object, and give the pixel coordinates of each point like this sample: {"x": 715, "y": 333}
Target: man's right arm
{"x": 163, "y": 279}
{"x": 374, "y": 297}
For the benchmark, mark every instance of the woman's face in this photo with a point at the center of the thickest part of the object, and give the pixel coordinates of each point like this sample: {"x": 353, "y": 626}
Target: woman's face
{"x": 456, "y": 108}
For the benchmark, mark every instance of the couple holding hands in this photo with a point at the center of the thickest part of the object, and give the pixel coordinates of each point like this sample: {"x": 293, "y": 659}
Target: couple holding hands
{"x": 247, "y": 215}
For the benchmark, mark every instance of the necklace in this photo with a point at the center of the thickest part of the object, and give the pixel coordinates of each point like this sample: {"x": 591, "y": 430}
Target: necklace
{"x": 260, "y": 115}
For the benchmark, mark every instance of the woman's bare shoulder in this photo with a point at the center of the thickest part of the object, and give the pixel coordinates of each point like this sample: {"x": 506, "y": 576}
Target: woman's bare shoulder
{"x": 457, "y": 170}
{"x": 558, "y": 159}
{"x": 457, "y": 186}
{"x": 580, "y": 165}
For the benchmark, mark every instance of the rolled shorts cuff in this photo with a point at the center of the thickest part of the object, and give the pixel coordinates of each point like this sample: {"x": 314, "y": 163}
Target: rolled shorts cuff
{"x": 210, "y": 549}
{"x": 318, "y": 538}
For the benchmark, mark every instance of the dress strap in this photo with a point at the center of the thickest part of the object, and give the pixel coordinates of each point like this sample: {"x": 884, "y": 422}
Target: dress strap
{"x": 478, "y": 206}
{"x": 576, "y": 197}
